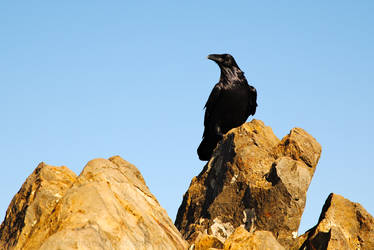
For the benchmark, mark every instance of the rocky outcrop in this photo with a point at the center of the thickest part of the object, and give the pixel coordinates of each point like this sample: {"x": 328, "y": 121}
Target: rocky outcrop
{"x": 250, "y": 195}
{"x": 108, "y": 206}
{"x": 342, "y": 225}
{"x": 253, "y": 179}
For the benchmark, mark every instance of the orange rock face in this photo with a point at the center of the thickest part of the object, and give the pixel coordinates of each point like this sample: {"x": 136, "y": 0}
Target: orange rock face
{"x": 259, "y": 240}
{"x": 250, "y": 195}
{"x": 108, "y": 206}
{"x": 342, "y": 225}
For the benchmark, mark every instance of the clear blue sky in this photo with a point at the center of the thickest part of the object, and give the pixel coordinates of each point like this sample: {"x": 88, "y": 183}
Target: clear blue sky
{"x": 88, "y": 79}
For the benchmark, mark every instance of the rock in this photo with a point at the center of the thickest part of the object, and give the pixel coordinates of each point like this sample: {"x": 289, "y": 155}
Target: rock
{"x": 259, "y": 240}
{"x": 253, "y": 179}
{"x": 108, "y": 206}
{"x": 250, "y": 195}
{"x": 342, "y": 225}
{"x": 33, "y": 203}
{"x": 205, "y": 242}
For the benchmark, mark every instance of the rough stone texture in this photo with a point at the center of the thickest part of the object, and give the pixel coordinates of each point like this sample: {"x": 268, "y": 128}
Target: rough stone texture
{"x": 250, "y": 195}
{"x": 205, "y": 241}
{"x": 108, "y": 206}
{"x": 253, "y": 179}
{"x": 33, "y": 203}
{"x": 342, "y": 225}
{"x": 259, "y": 240}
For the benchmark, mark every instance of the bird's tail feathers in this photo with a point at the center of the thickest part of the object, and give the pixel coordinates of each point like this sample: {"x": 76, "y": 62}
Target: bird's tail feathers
{"x": 206, "y": 147}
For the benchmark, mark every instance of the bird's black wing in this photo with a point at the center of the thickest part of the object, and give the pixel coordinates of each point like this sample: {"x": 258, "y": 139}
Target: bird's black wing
{"x": 209, "y": 106}
{"x": 252, "y": 100}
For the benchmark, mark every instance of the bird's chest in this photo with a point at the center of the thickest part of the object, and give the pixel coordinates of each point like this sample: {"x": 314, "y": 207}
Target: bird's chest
{"x": 232, "y": 110}
{"x": 234, "y": 99}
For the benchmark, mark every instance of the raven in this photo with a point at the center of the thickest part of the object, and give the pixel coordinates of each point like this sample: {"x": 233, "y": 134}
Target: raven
{"x": 229, "y": 104}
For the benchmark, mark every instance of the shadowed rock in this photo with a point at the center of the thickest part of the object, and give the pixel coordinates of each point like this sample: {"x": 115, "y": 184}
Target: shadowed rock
{"x": 254, "y": 180}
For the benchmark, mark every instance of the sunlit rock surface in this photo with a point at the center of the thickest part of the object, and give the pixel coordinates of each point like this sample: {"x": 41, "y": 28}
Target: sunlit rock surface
{"x": 342, "y": 225}
{"x": 108, "y": 206}
{"x": 250, "y": 195}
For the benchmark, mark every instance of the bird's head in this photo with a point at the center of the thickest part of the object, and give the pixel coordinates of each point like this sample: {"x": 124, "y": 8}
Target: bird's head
{"x": 223, "y": 60}
{"x": 230, "y": 71}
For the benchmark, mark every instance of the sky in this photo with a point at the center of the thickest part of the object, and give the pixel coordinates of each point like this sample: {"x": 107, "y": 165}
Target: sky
{"x": 92, "y": 79}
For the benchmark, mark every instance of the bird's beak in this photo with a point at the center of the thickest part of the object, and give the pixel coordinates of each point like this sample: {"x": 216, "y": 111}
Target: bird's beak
{"x": 215, "y": 57}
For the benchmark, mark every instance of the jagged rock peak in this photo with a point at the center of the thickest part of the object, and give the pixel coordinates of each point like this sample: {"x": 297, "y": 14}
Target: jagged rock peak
{"x": 250, "y": 195}
{"x": 108, "y": 206}
{"x": 253, "y": 179}
{"x": 33, "y": 203}
{"x": 342, "y": 225}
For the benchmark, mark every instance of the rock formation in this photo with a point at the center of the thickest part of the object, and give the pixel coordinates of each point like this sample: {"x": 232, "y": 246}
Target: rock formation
{"x": 33, "y": 203}
{"x": 254, "y": 180}
{"x": 250, "y": 195}
{"x": 108, "y": 206}
{"x": 341, "y": 225}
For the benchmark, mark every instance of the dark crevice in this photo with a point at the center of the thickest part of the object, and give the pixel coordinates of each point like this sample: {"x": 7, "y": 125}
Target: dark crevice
{"x": 272, "y": 176}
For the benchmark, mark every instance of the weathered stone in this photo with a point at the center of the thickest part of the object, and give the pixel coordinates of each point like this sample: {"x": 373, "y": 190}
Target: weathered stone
{"x": 259, "y": 240}
{"x": 299, "y": 146}
{"x": 107, "y": 207}
{"x": 342, "y": 225}
{"x": 33, "y": 203}
{"x": 206, "y": 241}
{"x": 253, "y": 179}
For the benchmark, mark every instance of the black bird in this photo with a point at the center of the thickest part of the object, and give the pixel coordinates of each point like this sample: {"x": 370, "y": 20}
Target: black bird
{"x": 229, "y": 104}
